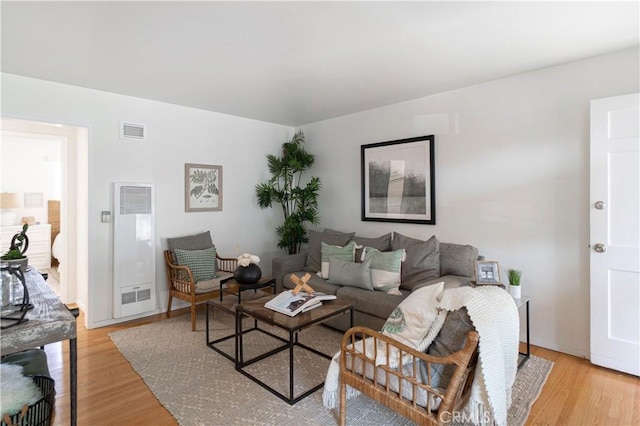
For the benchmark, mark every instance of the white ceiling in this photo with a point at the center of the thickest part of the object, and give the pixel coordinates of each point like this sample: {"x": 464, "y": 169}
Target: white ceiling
{"x": 299, "y": 62}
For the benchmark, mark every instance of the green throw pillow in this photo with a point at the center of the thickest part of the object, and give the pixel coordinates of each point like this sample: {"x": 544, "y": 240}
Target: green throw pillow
{"x": 351, "y": 274}
{"x": 386, "y": 268}
{"x": 201, "y": 262}
{"x": 345, "y": 253}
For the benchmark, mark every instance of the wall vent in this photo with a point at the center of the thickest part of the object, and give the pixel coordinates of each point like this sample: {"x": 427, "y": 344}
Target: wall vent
{"x": 132, "y": 131}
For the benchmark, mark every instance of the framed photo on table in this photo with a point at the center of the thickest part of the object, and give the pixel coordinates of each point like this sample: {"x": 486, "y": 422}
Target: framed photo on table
{"x": 202, "y": 188}
{"x": 487, "y": 273}
{"x": 398, "y": 181}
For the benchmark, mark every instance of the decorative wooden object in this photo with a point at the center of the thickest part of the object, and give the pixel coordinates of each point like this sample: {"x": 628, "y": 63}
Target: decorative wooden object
{"x": 301, "y": 283}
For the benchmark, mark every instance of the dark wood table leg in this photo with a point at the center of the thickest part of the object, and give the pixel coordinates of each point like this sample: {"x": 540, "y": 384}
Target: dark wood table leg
{"x": 73, "y": 376}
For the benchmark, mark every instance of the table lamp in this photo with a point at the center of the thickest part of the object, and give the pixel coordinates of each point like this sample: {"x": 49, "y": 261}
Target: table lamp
{"x": 8, "y": 201}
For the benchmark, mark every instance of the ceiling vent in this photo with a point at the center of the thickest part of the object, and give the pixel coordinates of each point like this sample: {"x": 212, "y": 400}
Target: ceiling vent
{"x": 132, "y": 131}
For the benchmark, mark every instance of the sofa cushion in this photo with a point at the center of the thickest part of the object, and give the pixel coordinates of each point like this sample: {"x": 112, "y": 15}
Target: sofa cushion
{"x": 350, "y": 273}
{"x": 422, "y": 261}
{"x": 333, "y": 238}
{"x": 316, "y": 283}
{"x": 382, "y": 243}
{"x": 327, "y": 251}
{"x": 201, "y": 262}
{"x": 208, "y": 286}
{"x": 451, "y": 338}
{"x": 375, "y": 303}
{"x": 457, "y": 259}
{"x": 411, "y": 320}
{"x": 385, "y": 269}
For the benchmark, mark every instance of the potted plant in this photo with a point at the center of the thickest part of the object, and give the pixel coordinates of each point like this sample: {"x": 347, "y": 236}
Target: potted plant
{"x": 16, "y": 254}
{"x": 514, "y": 283}
{"x": 299, "y": 203}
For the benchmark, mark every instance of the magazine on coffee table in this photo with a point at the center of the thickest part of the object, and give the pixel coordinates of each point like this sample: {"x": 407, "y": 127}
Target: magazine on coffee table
{"x": 292, "y": 304}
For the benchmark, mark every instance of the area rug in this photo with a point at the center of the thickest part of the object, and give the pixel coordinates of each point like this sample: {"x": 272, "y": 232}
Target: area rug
{"x": 200, "y": 387}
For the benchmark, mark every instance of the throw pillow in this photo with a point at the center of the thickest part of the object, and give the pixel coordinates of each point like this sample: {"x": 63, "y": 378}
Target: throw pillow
{"x": 457, "y": 259}
{"x": 451, "y": 338}
{"x": 410, "y": 321}
{"x": 331, "y": 237}
{"x": 343, "y": 253}
{"x": 350, "y": 273}
{"x": 422, "y": 262}
{"x": 382, "y": 243}
{"x": 385, "y": 269}
{"x": 201, "y": 262}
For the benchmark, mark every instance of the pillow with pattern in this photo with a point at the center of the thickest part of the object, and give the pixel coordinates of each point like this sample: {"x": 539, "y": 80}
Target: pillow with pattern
{"x": 201, "y": 262}
{"x": 411, "y": 320}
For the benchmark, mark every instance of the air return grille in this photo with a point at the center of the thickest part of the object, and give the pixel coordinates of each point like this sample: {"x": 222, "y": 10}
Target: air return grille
{"x": 135, "y": 200}
{"x": 132, "y": 131}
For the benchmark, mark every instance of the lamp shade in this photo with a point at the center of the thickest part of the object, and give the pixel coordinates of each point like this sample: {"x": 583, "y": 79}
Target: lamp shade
{"x": 9, "y": 200}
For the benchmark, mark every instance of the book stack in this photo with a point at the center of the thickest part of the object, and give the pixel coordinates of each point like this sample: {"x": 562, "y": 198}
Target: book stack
{"x": 292, "y": 304}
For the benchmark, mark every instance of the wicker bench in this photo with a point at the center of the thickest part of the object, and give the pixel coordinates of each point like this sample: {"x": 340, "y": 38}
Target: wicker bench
{"x": 404, "y": 390}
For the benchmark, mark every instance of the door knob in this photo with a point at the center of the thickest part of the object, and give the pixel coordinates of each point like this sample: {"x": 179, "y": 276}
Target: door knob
{"x": 600, "y": 248}
{"x": 600, "y": 205}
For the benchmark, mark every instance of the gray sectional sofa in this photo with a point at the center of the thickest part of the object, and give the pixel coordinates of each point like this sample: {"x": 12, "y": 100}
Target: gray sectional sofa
{"x": 427, "y": 262}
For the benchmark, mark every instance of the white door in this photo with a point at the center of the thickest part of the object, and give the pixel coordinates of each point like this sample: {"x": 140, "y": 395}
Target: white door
{"x": 615, "y": 233}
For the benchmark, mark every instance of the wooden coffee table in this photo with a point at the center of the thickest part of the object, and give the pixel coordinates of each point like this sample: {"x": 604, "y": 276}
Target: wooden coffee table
{"x": 292, "y": 325}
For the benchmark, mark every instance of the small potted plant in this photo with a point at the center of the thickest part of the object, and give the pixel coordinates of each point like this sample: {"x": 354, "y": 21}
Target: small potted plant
{"x": 514, "y": 283}
{"x": 16, "y": 255}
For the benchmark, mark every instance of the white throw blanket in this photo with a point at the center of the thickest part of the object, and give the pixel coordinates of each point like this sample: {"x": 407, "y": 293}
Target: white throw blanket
{"x": 495, "y": 318}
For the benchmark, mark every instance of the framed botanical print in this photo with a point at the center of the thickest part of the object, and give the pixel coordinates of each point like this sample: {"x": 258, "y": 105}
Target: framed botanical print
{"x": 202, "y": 188}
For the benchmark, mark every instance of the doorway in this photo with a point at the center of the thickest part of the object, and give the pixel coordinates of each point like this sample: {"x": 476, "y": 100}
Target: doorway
{"x": 48, "y": 162}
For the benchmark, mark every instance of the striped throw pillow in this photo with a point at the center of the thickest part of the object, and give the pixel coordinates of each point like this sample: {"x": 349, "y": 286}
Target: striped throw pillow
{"x": 201, "y": 262}
{"x": 386, "y": 269}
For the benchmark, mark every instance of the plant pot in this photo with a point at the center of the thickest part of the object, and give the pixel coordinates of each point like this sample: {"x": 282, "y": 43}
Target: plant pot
{"x": 17, "y": 263}
{"x": 247, "y": 274}
{"x": 515, "y": 291}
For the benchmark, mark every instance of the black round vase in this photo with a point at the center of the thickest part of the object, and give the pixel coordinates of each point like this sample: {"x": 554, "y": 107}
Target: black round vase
{"x": 247, "y": 274}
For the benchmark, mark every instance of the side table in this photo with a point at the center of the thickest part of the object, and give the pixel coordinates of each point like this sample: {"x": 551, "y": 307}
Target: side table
{"x": 262, "y": 283}
{"x": 524, "y": 356}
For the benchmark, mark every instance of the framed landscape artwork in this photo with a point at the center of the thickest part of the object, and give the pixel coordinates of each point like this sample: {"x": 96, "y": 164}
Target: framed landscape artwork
{"x": 398, "y": 181}
{"x": 202, "y": 188}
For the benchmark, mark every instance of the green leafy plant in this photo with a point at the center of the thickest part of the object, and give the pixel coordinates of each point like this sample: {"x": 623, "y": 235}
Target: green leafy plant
{"x": 19, "y": 245}
{"x": 514, "y": 276}
{"x": 299, "y": 203}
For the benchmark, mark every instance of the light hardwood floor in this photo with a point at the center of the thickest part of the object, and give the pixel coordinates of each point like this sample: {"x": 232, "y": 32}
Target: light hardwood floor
{"x": 111, "y": 393}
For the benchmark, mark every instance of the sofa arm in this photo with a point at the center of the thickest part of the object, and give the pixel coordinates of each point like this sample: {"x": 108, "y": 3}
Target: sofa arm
{"x": 283, "y": 265}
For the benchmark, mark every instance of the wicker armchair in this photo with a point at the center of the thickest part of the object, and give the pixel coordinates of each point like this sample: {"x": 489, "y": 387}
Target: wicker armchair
{"x": 183, "y": 286}
{"x": 404, "y": 390}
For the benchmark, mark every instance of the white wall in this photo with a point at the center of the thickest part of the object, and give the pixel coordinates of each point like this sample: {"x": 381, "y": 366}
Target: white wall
{"x": 176, "y": 135}
{"x": 512, "y": 178}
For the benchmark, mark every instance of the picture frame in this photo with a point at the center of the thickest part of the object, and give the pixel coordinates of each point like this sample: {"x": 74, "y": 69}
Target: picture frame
{"x": 487, "y": 272}
{"x": 202, "y": 188}
{"x": 398, "y": 181}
